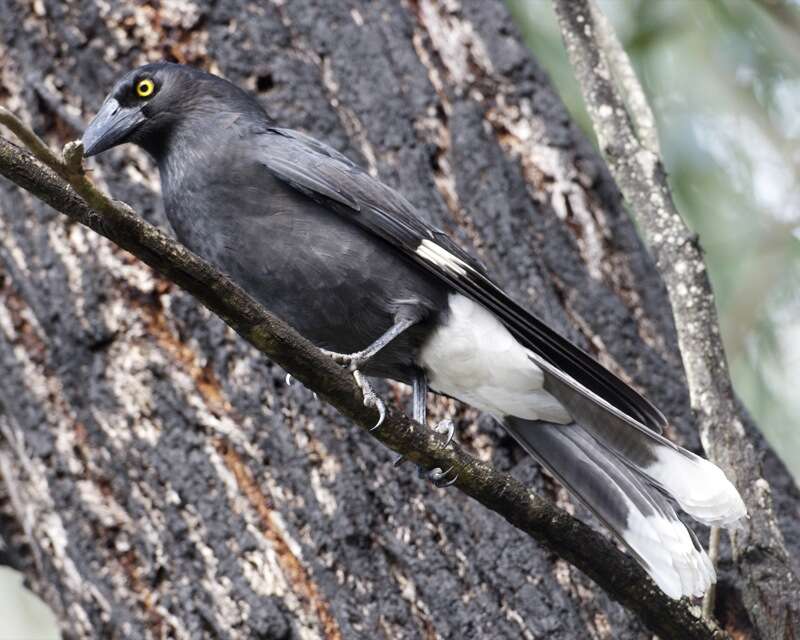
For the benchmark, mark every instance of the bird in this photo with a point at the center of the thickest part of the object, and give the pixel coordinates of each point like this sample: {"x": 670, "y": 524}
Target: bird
{"x": 353, "y": 266}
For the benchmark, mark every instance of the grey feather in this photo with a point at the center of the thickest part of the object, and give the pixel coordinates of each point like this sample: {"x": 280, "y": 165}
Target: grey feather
{"x": 631, "y": 508}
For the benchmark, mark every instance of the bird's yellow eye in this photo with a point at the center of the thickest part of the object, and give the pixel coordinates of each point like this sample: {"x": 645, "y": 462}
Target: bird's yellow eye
{"x": 145, "y": 87}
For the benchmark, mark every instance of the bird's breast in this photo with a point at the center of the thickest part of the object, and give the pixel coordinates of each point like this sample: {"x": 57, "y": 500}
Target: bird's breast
{"x": 337, "y": 284}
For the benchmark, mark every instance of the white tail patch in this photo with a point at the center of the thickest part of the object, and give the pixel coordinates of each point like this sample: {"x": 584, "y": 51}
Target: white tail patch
{"x": 473, "y": 357}
{"x": 669, "y": 554}
{"x": 700, "y": 487}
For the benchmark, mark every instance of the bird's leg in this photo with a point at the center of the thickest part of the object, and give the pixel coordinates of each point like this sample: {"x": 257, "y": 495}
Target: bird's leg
{"x": 419, "y": 398}
{"x": 358, "y": 358}
{"x": 419, "y": 402}
{"x": 419, "y": 388}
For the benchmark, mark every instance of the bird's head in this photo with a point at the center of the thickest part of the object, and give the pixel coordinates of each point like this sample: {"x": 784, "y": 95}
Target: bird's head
{"x": 149, "y": 103}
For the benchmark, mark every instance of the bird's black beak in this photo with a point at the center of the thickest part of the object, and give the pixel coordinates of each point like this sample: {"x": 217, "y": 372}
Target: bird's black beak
{"x": 111, "y": 126}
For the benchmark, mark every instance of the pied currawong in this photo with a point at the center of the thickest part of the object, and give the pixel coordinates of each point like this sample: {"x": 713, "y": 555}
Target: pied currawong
{"x": 348, "y": 262}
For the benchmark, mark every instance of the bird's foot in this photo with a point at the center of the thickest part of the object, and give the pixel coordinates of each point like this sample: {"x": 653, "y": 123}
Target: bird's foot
{"x": 353, "y": 360}
{"x": 289, "y": 379}
{"x": 371, "y": 398}
{"x": 439, "y": 477}
{"x": 436, "y": 475}
{"x": 445, "y": 427}
{"x": 442, "y": 427}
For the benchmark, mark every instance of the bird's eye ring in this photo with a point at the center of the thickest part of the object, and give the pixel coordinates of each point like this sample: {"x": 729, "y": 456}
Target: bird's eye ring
{"x": 145, "y": 88}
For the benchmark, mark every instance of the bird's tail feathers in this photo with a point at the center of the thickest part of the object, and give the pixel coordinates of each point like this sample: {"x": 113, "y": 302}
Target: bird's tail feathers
{"x": 635, "y": 511}
{"x": 700, "y": 487}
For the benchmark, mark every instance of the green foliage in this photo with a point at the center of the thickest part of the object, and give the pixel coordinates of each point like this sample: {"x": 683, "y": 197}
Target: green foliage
{"x": 723, "y": 79}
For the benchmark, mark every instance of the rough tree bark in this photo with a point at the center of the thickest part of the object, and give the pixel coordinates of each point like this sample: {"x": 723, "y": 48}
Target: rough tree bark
{"x": 151, "y": 487}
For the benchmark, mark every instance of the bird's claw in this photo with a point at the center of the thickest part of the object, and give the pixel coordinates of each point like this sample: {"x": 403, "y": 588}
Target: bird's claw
{"x": 371, "y": 398}
{"x": 378, "y": 404}
{"x": 289, "y": 379}
{"x": 445, "y": 427}
{"x": 437, "y": 475}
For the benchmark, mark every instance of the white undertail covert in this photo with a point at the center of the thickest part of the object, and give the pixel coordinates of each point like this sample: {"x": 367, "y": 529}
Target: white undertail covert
{"x": 473, "y": 357}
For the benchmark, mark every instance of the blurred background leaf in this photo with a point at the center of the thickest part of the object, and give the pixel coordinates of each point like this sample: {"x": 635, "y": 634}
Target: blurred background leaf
{"x": 723, "y": 78}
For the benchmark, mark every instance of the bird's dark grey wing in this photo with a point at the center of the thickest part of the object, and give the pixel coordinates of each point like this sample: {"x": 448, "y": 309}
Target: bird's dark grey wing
{"x": 321, "y": 172}
{"x": 328, "y": 177}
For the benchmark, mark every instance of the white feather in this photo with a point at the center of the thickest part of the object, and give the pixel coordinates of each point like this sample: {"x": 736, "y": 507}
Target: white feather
{"x": 474, "y": 358}
{"x": 669, "y": 554}
{"x": 699, "y": 486}
{"x": 440, "y": 256}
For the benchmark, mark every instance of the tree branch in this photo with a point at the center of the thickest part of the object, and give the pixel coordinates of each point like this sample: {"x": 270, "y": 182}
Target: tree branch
{"x": 63, "y": 186}
{"x": 627, "y": 138}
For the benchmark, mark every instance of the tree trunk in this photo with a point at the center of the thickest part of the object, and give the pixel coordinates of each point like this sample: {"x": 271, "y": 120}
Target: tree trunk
{"x": 160, "y": 479}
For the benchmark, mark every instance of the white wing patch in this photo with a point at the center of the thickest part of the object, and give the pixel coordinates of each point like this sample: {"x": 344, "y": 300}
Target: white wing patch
{"x": 432, "y": 252}
{"x": 474, "y": 358}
